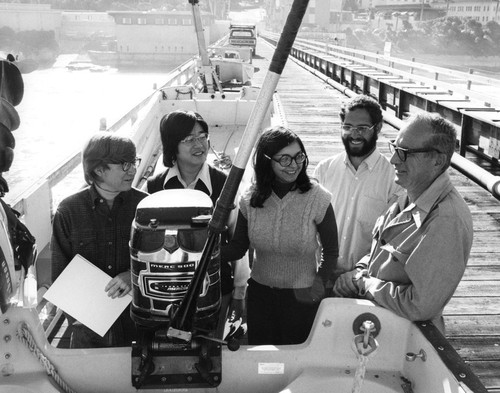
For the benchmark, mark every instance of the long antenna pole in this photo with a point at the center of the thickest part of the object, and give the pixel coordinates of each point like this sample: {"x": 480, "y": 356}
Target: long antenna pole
{"x": 183, "y": 319}
{"x": 210, "y": 78}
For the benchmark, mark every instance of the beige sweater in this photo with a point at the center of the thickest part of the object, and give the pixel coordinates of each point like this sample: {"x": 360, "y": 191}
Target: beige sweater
{"x": 284, "y": 236}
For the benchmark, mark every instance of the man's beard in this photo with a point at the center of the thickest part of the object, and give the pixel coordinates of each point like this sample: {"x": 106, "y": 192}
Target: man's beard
{"x": 367, "y": 147}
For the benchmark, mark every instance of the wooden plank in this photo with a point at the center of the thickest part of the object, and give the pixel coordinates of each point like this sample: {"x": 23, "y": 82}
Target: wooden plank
{"x": 488, "y": 372}
{"x": 475, "y": 288}
{"x": 472, "y": 325}
{"x": 473, "y": 306}
{"x": 483, "y": 258}
{"x": 477, "y": 348}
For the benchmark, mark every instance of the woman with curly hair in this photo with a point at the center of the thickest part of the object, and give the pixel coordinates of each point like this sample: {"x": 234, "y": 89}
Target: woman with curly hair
{"x": 286, "y": 218}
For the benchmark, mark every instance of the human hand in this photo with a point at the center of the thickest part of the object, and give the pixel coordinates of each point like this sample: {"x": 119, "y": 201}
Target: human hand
{"x": 119, "y": 285}
{"x": 345, "y": 286}
{"x": 236, "y": 310}
{"x": 317, "y": 291}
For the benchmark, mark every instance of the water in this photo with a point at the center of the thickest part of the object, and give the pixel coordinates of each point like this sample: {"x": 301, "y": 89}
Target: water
{"x": 62, "y": 108}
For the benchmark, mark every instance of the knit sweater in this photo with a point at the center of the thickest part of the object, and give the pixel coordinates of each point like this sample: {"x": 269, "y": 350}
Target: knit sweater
{"x": 284, "y": 236}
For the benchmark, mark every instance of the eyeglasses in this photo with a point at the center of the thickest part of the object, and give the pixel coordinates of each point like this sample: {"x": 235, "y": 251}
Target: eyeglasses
{"x": 402, "y": 152}
{"x": 191, "y": 139}
{"x": 285, "y": 160}
{"x": 361, "y": 130}
{"x": 127, "y": 165}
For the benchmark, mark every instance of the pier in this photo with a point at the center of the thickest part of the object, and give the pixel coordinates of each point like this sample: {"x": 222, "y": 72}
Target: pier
{"x": 310, "y": 92}
{"x": 472, "y": 317}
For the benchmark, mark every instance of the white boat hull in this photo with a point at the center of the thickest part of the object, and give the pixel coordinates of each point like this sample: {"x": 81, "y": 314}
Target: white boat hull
{"x": 325, "y": 362}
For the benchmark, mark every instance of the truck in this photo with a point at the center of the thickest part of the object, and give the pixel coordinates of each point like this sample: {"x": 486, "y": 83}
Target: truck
{"x": 243, "y": 35}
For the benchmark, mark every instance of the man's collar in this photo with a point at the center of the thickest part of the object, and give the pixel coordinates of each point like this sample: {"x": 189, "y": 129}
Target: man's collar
{"x": 96, "y": 197}
{"x": 93, "y": 193}
{"x": 203, "y": 175}
{"x": 369, "y": 161}
{"x": 440, "y": 187}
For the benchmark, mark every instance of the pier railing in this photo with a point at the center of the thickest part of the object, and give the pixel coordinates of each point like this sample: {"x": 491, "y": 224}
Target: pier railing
{"x": 403, "y": 87}
{"x": 465, "y": 83}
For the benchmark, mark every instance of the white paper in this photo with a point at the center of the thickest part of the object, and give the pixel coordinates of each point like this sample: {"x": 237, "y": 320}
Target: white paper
{"x": 79, "y": 291}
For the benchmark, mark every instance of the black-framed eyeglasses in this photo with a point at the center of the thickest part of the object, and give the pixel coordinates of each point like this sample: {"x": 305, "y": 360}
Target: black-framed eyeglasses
{"x": 361, "y": 130}
{"x": 127, "y": 165}
{"x": 402, "y": 152}
{"x": 285, "y": 159}
{"x": 192, "y": 139}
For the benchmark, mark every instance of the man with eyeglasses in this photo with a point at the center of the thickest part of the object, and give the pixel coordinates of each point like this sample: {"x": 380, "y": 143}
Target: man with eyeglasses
{"x": 186, "y": 145}
{"x": 422, "y": 243}
{"x": 95, "y": 223}
{"x": 361, "y": 180}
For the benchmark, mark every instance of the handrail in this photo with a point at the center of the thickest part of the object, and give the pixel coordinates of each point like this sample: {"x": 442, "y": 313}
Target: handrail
{"x": 350, "y": 54}
{"x": 474, "y": 172}
{"x": 467, "y": 92}
{"x": 409, "y": 63}
{"x": 469, "y": 77}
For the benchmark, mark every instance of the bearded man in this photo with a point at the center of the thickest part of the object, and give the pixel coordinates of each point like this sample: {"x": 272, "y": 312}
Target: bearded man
{"x": 361, "y": 180}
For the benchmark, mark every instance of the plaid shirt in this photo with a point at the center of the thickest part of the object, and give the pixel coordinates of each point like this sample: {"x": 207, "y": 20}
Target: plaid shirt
{"x": 85, "y": 225}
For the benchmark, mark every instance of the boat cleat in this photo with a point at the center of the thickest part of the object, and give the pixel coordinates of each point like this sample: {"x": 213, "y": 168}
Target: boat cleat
{"x": 410, "y": 356}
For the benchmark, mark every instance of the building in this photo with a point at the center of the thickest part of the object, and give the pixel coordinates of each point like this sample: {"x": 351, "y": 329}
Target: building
{"x": 321, "y": 15}
{"x": 332, "y": 16}
{"x": 25, "y": 17}
{"x": 154, "y": 38}
{"x": 482, "y": 11}
{"x": 86, "y": 24}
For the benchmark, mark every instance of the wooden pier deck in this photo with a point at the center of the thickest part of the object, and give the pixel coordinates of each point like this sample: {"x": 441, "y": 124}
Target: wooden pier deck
{"x": 473, "y": 315}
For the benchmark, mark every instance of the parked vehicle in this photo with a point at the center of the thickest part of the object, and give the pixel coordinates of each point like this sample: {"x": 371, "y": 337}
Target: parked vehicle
{"x": 243, "y": 35}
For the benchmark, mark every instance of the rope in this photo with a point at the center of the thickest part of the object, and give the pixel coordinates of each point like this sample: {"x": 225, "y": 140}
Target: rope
{"x": 25, "y": 336}
{"x": 363, "y": 346}
{"x": 359, "y": 376}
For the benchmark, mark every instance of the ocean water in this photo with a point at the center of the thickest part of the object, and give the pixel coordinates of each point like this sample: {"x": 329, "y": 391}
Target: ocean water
{"x": 62, "y": 108}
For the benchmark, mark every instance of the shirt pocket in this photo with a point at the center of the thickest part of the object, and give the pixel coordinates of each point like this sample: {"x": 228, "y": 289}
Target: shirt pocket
{"x": 393, "y": 269}
{"x": 396, "y": 253}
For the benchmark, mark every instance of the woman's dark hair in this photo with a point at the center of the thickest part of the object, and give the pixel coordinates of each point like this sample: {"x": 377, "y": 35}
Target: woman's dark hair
{"x": 105, "y": 148}
{"x": 174, "y": 127}
{"x": 271, "y": 141}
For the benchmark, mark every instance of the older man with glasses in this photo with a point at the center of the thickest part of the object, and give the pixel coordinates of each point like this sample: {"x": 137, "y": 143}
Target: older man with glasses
{"x": 95, "y": 223}
{"x": 421, "y": 245}
{"x": 361, "y": 180}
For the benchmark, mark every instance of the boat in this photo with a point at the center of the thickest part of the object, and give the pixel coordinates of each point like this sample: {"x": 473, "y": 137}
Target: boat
{"x": 233, "y": 65}
{"x": 79, "y": 66}
{"x": 98, "y": 68}
{"x": 351, "y": 346}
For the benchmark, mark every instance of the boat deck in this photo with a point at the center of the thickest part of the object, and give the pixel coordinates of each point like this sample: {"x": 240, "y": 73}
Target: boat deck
{"x": 473, "y": 315}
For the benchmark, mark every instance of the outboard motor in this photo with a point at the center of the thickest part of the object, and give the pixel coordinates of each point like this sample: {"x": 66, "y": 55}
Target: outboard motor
{"x": 168, "y": 236}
